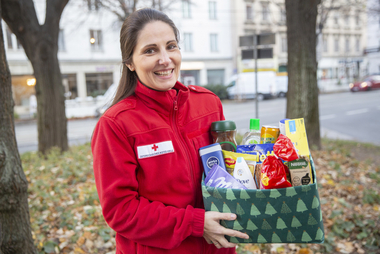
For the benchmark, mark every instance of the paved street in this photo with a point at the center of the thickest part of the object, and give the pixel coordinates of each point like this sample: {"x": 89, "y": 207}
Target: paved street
{"x": 349, "y": 116}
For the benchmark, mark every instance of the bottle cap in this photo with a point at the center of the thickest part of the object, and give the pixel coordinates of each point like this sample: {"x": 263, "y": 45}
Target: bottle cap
{"x": 254, "y": 124}
{"x": 223, "y": 126}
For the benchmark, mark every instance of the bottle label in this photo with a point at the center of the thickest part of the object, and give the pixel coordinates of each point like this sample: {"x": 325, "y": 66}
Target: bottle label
{"x": 211, "y": 161}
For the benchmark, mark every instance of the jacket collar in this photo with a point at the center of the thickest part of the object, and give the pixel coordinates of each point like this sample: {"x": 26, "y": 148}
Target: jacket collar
{"x": 162, "y": 101}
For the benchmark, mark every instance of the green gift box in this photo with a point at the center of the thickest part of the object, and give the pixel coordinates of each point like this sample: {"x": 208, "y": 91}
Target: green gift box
{"x": 288, "y": 215}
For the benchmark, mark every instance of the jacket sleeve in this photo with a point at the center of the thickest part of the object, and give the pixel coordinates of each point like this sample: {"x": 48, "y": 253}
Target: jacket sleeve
{"x": 134, "y": 217}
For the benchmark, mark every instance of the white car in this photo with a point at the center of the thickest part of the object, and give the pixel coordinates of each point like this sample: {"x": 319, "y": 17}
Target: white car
{"x": 106, "y": 100}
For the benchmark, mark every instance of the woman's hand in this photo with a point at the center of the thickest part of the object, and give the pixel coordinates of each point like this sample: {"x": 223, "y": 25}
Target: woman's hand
{"x": 214, "y": 233}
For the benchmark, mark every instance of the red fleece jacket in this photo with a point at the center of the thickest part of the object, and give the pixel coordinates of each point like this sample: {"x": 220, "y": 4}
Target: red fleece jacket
{"x": 148, "y": 171}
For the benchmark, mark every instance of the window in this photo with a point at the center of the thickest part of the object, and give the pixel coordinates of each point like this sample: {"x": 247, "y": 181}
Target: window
{"x": 215, "y": 77}
{"x": 93, "y": 5}
{"x": 336, "y": 18}
{"x": 284, "y": 44}
{"x": 213, "y": 42}
{"x": 186, "y": 9}
{"x": 325, "y": 44}
{"x": 347, "y": 44}
{"x": 212, "y": 9}
{"x": 265, "y": 12}
{"x": 347, "y": 20}
{"x": 96, "y": 39}
{"x": 336, "y": 44}
{"x": 98, "y": 83}
{"x": 249, "y": 12}
{"x": 188, "y": 42}
{"x": 283, "y": 15}
{"x": 9, "y": 37}
{"x": 357, "y": 19}
{"x": 61, "y": 40}
{"x": 357, "y": 44}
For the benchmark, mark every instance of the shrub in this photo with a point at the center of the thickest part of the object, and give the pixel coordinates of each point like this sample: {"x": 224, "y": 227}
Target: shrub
{"x": 219, "y": 90}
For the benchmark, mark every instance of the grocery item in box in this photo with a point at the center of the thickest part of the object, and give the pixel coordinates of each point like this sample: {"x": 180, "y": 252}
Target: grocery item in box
{"x": 231, "y": 157}
{"x": 284, "y": 149}
{"x": 300, "y": 171}
{"x": 273, "y": 174}
{"x": 219, "y": 178}
{"x": 211, "y": 155}
{"x": 243, "y": 174}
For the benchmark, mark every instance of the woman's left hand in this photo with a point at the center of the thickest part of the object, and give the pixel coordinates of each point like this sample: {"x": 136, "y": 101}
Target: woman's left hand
{"x": 214, "y": 233}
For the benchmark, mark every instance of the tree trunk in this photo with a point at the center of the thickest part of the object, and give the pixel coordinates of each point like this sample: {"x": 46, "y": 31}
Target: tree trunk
{"x": 40, "y": 43}
{"x": 302, "y": 96}
{"x": 15, "y": 231}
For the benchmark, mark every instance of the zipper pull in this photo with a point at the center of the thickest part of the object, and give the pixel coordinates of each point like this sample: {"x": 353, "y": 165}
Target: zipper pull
{"x": 175, "y": 105}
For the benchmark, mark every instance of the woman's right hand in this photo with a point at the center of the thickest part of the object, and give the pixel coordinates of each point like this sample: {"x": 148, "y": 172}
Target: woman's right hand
{"x": 214, "y": 232}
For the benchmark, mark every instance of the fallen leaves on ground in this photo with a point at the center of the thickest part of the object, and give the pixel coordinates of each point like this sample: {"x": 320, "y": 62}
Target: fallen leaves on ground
{"x": 66, "y": 216}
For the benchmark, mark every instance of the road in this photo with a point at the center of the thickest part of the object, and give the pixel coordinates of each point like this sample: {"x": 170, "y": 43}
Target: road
{"x": 348, "y": 116}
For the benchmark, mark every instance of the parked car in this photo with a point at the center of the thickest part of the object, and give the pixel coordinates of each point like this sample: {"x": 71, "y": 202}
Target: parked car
{"x": 366, "y": 84}
{"x": 242, "y": 85}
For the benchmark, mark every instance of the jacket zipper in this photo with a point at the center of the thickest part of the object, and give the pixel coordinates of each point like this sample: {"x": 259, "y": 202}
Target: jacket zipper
{"x": 183, "y": 146}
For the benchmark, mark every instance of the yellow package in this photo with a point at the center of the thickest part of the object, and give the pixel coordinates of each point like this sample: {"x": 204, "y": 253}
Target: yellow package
{"x": 230, "y": 160}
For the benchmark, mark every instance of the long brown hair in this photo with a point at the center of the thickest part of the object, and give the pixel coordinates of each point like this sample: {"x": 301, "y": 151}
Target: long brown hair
{"x": 128, "y": 39}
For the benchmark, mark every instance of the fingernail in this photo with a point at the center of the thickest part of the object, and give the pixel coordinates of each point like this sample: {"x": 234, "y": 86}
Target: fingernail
{"x": 233, "y": 216}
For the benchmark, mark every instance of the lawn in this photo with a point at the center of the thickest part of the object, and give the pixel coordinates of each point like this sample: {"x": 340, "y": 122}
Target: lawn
{"x": 66, "y": 216}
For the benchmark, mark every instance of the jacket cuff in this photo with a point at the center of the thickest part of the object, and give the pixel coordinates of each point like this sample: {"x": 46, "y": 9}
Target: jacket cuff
{"x": 198, "y": 222}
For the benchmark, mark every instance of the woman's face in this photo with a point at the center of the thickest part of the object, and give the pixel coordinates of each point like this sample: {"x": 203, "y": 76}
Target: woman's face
{"x": 156, "y": 57}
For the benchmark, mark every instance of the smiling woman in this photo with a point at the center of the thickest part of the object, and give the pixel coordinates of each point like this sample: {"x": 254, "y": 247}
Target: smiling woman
{"x": 145, "y": 147}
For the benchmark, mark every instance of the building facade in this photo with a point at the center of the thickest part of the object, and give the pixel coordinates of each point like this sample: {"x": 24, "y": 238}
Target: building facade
{"x": 372, "y": 50}
{"x": 90, "y": 58}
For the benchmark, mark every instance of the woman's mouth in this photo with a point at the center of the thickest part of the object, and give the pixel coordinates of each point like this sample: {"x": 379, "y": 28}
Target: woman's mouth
{"x": 164, "y": 73}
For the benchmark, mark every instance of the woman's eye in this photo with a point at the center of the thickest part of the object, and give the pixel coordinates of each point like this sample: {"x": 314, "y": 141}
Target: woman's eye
{"x": 149, "y": 51}
{"x": 172, "y": 46}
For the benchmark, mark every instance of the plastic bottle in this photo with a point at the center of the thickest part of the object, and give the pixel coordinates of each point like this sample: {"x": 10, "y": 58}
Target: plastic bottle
{"x": 243, "y": 174}
{"x": 254, "y": 133}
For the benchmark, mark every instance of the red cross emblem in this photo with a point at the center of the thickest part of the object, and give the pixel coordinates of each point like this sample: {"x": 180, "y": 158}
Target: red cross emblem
{"x": 154, "y": 147}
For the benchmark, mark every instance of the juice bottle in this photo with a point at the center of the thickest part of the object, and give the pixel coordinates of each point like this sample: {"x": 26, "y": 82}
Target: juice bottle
{"x": 254, "y": 134}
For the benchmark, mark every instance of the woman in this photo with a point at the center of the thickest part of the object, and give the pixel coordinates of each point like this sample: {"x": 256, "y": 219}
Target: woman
{"x": 145, "y": 147}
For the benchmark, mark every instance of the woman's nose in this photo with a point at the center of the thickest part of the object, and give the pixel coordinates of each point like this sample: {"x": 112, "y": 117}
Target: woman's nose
{"x": 164, "y": 58}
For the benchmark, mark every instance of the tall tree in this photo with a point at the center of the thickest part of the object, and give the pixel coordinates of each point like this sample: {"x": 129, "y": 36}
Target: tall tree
{"x": 40, "y": 43}
{"x": 302, "y": 96}
{"x": 15, "y": 231}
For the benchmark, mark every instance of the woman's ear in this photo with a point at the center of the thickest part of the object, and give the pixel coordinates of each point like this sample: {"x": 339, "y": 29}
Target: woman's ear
{"x": 130, "y": 67}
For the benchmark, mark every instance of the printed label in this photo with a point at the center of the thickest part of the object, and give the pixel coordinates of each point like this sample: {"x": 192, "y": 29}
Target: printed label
{"x": 211, "y": 161}
{"x": 155, "y": 149}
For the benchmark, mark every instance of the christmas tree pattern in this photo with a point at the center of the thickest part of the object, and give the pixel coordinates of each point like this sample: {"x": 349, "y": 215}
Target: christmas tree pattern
{"x": 274, "y": 193}
{"x": 230, "y": 195}
{"x": 260, "y": 194}
{"x": 223, "y": 223}
{"x": 319, "y": 235}
{"x": 248, "y": 240}
{"x": 290, "y": 192}
{"x": 285, "y": 208}
{"x": 276, "y": 238}
{"x": 305, "y": 188}
{"x": 237, "y": 225}
{"x": 295, "y": 223}
{"x": 205, "y": 192}
{"x": 315, "y": 203}
{"x": 226, "y": 209}
{"x": 251, "y": 226}
{"x": 305, "y": 237}
{"x": 261, "y": 239}
{"x": 269, "y": 209}
{"x": 244, "y": 195}
{"x": 239, "y": 209}
{"x": 301, "y": 207}
{"x": 265, "y": 225}
{"x": 290, "y": 237}
{"x": 280, "y": 224}
{"x": 216, "y": 194}
{"x": 311, "y": 221}
{"x": 254, "y": 210}
{"x": 213, "y": 207}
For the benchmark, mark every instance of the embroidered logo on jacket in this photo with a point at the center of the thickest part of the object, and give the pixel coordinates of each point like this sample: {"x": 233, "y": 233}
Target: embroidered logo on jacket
{"x": 155, "y": 149}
